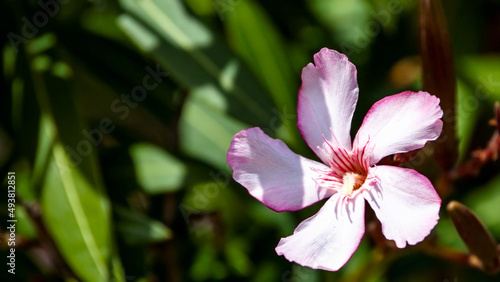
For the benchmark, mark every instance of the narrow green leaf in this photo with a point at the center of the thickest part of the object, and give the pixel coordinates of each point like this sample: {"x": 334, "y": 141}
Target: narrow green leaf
{"x": 466, "y": 118}
{"x": 76, "y": 216}
{"x": 117, "y": 268}
{"x": 74, "y": 206}
{"x": 157, "y": 171}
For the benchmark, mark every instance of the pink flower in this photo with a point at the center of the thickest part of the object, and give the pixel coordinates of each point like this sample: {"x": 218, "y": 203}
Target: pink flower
{"x": 404, "y": 201}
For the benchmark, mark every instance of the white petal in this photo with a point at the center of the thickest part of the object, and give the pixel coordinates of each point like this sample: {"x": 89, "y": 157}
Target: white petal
{"x": 327, "y": 100}
{"x": 405, "y": 202}
{"x": 272, "y": 173}
{"x": 400, "y": 123}
{"x": 329, "y": 238}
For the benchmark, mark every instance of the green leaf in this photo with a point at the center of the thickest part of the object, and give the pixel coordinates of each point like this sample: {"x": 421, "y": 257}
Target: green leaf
{"x": 194, "y": 56}
{"x": 483, "y": 201}
{"x": 103, "y": 23}
{"x": 466, "y": 118}
{"x": 206, "y": 265}
{"x": 138, "y": 228}
{"x": 76, "y": 215}
{"x": 24, "y": 187}
{"x": 116, "y": 268}
{"x": 74, "y": 206}
{"x": 236, "y": 251}
{"x": 157, "y": 171}
{"x": 344, "y": 18}
{"x": 483, "y": 73}
{"x": 25, "y": 226}
{"x": 257, "y": 41}
{"x": 447, "y": 234}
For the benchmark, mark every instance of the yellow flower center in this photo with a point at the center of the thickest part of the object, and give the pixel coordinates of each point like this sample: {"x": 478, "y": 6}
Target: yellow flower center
{"x": 351, "y": 181}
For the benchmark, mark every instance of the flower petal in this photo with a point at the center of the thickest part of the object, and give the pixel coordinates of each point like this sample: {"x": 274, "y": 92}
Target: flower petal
{"x": 327, "y": 100}
{"x": 400, "y": 123}
{"x": 329, "y": 238}
{"x": 272, "y": 173}
{"x": 405, "y": 202}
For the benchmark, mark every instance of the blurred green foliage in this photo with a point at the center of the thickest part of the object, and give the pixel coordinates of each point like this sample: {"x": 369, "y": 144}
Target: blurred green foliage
{"x": 116, "y": 116}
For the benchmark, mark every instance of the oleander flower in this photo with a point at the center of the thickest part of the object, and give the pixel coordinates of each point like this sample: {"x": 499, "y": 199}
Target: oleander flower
{"x": 404, "y": 201}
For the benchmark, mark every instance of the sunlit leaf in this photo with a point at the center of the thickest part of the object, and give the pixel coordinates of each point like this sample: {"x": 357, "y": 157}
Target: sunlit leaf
{"x": 76, "y": 215}
{"x": 156, "y": 170}
{"x": 103, "y": 22}
{"x": 205, "y": 130}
